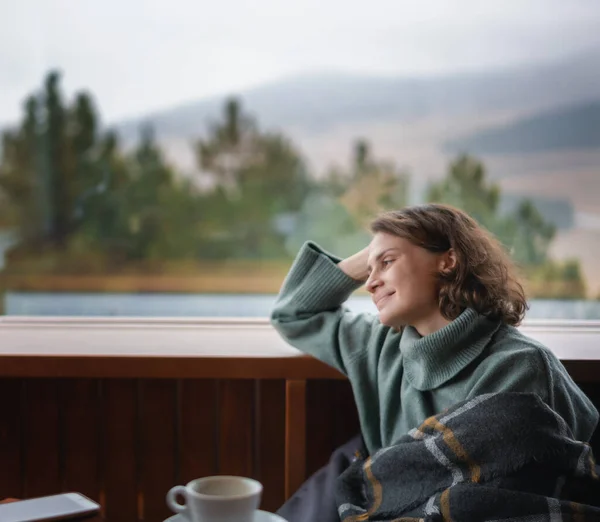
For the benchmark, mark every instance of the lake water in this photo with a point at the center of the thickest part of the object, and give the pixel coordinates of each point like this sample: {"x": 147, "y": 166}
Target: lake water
{"x": 219, "y": 305}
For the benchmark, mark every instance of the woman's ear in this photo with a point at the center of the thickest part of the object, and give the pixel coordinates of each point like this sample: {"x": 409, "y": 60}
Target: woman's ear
{"x": 448, "y": 261}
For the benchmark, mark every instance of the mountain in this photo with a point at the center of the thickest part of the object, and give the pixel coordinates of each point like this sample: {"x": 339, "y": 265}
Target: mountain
{"x": 570, "y": 128}
{"x": 317, "y": 103}
{"x": 411, "y": 120}
{"x": 557, "y": 211}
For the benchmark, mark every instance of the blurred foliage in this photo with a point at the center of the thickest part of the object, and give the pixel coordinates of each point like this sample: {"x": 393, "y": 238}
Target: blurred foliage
{"x": 80, "y": 203}
{"x": 525, "y": 233}
{"x": 556, "y": 280}
{"x": 256, "y": 177}
{"x": 337, "y": 213}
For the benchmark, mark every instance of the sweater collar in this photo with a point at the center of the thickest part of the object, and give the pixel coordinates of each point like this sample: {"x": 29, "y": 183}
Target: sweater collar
{"x": 432, "y": 360}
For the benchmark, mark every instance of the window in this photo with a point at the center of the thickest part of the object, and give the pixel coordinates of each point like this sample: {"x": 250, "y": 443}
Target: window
{"x": 170, "y": 159}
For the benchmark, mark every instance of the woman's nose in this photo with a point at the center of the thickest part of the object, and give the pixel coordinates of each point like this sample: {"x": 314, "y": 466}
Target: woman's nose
{"x": 372, "y": 282}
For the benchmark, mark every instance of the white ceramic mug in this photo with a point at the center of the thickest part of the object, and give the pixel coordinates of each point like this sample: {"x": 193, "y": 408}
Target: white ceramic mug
{"x": 221, "y": 498}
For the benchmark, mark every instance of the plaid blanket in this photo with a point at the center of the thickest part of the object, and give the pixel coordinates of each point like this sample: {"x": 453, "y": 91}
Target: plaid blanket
{"x": 499, "y": 457}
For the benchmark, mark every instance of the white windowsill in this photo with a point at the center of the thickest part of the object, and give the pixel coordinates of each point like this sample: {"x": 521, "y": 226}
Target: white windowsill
{"x": 218, "y": 337}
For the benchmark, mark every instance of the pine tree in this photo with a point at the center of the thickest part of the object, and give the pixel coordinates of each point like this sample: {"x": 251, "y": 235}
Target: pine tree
{"x": 20, "y": 182}
{"x": 257, "y": 177}
{"x": 56, "y": 165}
{"x": 525, "y": 233}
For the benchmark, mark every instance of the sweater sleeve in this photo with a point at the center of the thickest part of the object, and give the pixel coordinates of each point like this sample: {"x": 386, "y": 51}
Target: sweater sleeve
{"x": 568, "y": 400}
{"x": 310, "y": 315}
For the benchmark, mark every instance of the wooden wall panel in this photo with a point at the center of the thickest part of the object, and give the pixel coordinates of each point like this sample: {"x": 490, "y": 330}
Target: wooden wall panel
{"x": 236, "y": 428}
{"x": 157, "y": 446}
{"x": 295, "y": 435}
{"x": 80, "y": 404}
{"x": 126, "y": 442}
{"x": 120, "y": 450}
{"x": 271, "y": 442}
{"x": 320, "y": 433}
{"x": 346, "y": 423}
{"x": 10, "y": 438}
{"x": 41, "y": 438}
{"x": 198, "y": 446}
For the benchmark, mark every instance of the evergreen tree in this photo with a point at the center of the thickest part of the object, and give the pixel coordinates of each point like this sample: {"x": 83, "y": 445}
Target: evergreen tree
{"x": 466, "y": 187}
{"x": 57, "y": 166}
{"x": 373, "y": 185}
{"x": 533, "y": 235}
{"x": 19, "y": 176}
{"x": 338, "y": 212}
{"x": 525, "y": 233}
{"x": 150, "y": 177}
{"x": 257, "y": 178}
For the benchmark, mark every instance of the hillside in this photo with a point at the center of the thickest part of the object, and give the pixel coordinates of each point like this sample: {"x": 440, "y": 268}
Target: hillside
{"x": 316, "y": 103}
{"x": 576, "y": 127}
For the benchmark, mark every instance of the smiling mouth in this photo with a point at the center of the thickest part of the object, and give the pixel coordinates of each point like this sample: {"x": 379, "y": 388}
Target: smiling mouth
{"x": 381, "y": 300}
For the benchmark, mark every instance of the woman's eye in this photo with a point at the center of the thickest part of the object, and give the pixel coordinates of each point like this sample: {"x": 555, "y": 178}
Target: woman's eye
{"x": 386, "y": 262}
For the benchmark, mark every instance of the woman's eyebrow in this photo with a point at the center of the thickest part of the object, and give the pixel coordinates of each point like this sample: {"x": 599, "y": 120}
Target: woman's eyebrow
{"x": 381, "y": 254}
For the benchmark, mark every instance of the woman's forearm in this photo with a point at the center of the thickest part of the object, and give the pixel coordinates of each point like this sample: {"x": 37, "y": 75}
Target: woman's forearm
{"x": 355, "y": 266}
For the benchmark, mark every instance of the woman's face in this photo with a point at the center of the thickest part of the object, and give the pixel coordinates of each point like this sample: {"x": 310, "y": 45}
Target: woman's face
{"x": 403, "y": 282}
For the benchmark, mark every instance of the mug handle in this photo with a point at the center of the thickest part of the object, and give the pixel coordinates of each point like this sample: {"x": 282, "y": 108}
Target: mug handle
{"x": 172, "y": 498}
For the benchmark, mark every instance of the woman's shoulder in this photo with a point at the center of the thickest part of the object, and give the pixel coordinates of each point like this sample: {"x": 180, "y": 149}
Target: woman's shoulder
{"x": 510, "y": 342}
{"x": 512, "y": 361}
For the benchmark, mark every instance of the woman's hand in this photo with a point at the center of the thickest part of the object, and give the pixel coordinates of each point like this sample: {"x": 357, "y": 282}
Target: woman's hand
{"x": 355, "y": 266}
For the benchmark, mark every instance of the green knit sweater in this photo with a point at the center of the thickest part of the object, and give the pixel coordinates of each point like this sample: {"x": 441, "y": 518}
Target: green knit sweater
{"x": 400, "y": 378}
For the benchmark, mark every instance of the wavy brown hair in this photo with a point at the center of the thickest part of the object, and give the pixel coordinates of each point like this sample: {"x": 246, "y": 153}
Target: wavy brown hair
{"x": 484, "y": 278}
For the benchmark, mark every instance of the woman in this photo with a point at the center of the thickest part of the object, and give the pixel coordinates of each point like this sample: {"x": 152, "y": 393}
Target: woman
{"x": 448, "y": 302}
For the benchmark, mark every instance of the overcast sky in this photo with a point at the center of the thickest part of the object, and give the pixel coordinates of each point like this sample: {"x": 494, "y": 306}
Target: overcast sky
{"x": 140, "y": 55}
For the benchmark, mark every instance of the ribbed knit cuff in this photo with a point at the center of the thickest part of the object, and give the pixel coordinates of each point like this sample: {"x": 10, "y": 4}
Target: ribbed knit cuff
{"x": 325, "y": 285}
